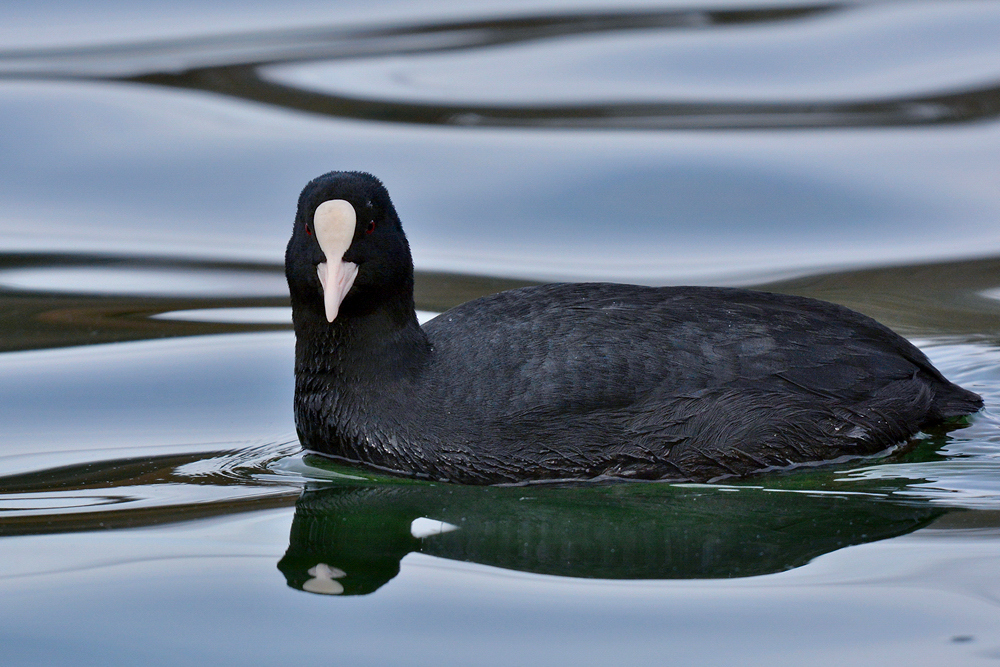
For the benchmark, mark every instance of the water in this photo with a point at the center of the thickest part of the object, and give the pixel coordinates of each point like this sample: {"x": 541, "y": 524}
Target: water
{"x": 154, "y": 503}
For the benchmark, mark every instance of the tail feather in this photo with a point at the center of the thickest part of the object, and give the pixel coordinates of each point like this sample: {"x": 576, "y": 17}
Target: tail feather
{"x": 953, "y": 401}
{"x": 725, "y": 431}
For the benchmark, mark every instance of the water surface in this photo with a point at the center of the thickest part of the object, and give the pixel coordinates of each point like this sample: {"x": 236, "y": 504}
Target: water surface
{"x": 154, "y": 503}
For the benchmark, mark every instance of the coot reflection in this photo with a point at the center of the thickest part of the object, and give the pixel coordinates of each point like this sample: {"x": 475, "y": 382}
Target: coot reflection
{"x": 348, "y": 538}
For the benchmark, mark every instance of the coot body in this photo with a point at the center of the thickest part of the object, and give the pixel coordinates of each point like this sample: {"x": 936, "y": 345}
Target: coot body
{"x": 577, "y": 381}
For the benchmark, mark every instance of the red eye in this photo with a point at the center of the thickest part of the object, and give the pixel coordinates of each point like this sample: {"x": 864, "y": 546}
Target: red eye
{"x": 371, "y": 227}
{"x": 309, "y": 231}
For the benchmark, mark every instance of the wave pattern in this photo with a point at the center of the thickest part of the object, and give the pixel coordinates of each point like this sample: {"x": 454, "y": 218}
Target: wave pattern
{"x": 234, "y": 66}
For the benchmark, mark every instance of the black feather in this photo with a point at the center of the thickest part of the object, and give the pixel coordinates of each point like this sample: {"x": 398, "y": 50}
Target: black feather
{"x": 586, "y": 380}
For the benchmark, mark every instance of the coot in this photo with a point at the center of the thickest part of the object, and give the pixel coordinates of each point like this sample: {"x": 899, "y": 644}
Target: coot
{"x": 579, "y": 381}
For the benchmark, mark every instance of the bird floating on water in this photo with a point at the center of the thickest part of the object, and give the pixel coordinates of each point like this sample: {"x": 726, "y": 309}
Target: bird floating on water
{"x": 579, "y": 380}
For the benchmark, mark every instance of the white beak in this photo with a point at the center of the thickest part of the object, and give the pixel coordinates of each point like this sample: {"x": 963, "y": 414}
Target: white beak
{"x": 334, "y": 222}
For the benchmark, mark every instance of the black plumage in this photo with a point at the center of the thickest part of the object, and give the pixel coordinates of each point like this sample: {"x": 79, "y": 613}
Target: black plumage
{"x": 570, "y": 381}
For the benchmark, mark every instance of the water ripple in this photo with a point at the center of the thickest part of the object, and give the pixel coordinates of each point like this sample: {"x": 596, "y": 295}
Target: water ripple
{"x": 146, "y": 490}
{"x": 254, "y": 67}
{"x": 972, "y": 484}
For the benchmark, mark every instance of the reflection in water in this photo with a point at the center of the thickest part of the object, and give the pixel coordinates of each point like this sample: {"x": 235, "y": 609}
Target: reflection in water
{"x": 115, "y": 299}
{"x": 117, "y": 147}
{"x": 109, "y": 302}
{"x": 233, "y": 66}
{"x": 940, "y": 300}
{"x": 350, "y": 537}
{"x": 143, "y": 490}
{"x": 363, "y": 42}
{"x": 189, "y": 282}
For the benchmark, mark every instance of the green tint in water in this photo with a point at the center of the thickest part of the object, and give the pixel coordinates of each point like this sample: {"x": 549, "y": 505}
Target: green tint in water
{"x": 620, "y": 531}
{"x": 159, "y": 476}
{"x": 154, "y": 506}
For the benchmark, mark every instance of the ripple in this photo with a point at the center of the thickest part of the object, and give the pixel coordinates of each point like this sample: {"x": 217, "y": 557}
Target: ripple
{"x": 262, "y": 315}
{"x": 676, "y": 79}
{"x": 969, "y": 474}
{"x": 971, "y": 484}
{"x": 691, "y": 60}
{"x": 145, "y": 281}
{"x": 30, "y": 503}
{"x": 144, "y": 490}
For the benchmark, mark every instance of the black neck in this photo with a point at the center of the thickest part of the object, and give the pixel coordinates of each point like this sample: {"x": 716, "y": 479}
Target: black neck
{"x": 366, "y": 343}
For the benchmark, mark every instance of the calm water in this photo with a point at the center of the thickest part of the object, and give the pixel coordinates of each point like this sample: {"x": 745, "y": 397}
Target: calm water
{"x": 154, "y": 504}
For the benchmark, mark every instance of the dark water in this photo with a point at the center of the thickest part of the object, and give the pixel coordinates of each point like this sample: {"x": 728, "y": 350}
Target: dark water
{"x": 154, "y": 505}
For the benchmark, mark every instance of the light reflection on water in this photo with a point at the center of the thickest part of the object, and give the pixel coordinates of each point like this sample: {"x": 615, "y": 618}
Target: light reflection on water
{"x": 148, "y": 463}
{"x": 214, "y": 518}
{"x": 143, "y": 282}
{"x": 212, "y": 175}
{"x": 721, "y": 61}
{"x": 154, "y": 381}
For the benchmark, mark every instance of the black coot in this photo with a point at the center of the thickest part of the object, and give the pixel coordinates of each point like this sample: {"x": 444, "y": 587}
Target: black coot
{"x": 573, "y": 381}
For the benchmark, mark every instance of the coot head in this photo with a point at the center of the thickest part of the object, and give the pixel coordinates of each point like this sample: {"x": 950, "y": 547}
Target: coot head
{"x": 347, "y": 256}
